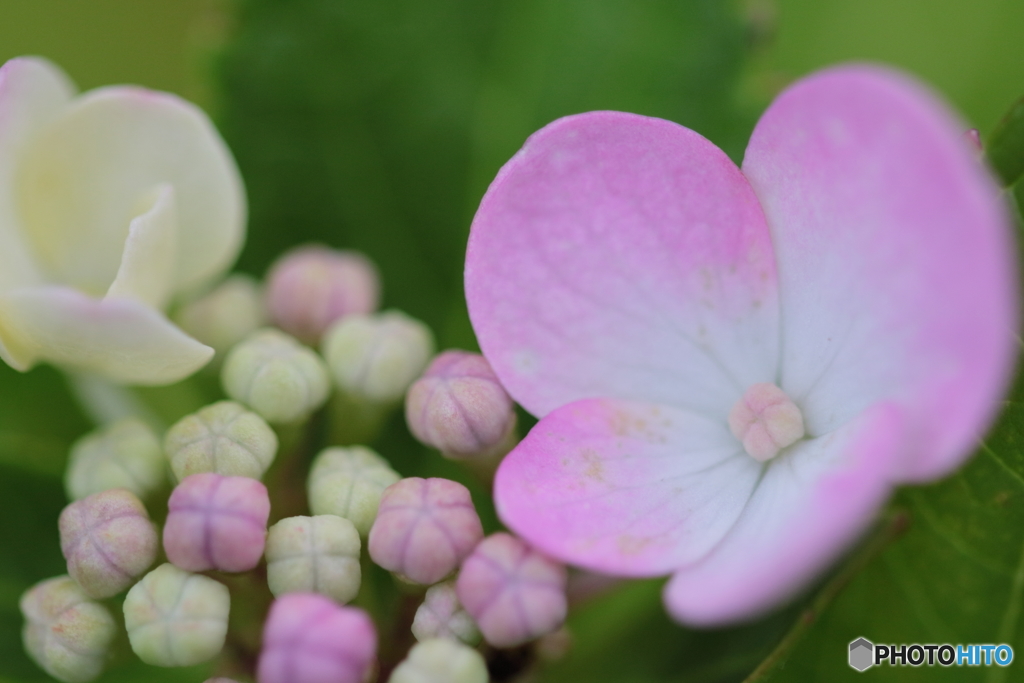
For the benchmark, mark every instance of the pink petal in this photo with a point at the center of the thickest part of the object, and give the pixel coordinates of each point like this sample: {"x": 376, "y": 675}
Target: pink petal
{"x": 895, "y": 260}
{"x": 625, "y": 256}
{"x": 625, "y": 488}
{"x": 813, "y": 501}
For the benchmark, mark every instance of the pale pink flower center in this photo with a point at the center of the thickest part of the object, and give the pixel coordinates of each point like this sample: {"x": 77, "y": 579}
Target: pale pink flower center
{"x": 765, "y": 421}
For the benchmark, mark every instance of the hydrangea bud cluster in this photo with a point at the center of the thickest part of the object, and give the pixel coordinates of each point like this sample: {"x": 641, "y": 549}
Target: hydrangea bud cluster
{"x": 108, "y": 541}
{"x": 424, "y": 529}
{"x": 66, "y": 633}
{"x": 310, "y": 287}
{"x": 440, "y": 660}
{"x": 216, "y": 522}
{"x": 314, "y": 555}
{"x": 275, "y": 375}
{"x": 349, "y": 483}
{"x": 123, "y": 455}
{"x": 225, "y": 315}
{"x": 338, "y": 509}
{"x": 375, "y": 358}
{"x": 176, "y": 618}
{"x": 459, "y": 407}
{"x": 514, "y": 593}
{"x": 223, "y": 438}
{"x": 441, "y": 615}
{"x": 310, "y": 639}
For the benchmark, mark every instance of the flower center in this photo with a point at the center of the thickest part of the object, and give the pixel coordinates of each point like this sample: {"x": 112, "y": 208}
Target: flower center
{"x": 765, "y": 421}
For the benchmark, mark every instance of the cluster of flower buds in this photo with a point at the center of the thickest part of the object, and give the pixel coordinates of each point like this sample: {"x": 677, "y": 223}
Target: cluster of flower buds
{"x": 425, "y": 531}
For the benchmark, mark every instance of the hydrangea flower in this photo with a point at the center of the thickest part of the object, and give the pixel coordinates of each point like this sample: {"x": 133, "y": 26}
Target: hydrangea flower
{"x": 111, "y": 202}
{"x": 734, "y": 367}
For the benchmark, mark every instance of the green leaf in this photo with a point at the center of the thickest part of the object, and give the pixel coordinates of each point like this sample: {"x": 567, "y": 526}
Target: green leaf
{"x": 1005, "y": 148}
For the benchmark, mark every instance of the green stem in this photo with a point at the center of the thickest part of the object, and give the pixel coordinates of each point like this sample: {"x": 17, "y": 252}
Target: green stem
{"x": 891, "y": 528}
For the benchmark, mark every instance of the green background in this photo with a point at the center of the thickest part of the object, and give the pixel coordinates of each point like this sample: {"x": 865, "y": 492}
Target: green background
{"x": 377, "y": 126}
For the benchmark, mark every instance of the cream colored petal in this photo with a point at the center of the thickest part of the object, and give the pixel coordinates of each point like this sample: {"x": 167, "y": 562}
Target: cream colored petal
{"x": 79, "y": 186}
{"x": 32, "y": 93}
{"x": 150, "y": 253}
{"x": 121, "y": 339}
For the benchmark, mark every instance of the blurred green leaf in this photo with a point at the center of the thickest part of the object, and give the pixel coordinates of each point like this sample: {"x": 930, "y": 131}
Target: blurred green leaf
{"x": 1005, "y": 148}
{"x": 378, "y": 125}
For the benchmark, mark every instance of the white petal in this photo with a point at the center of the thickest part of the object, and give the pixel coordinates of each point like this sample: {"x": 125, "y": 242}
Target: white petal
{"x": 80, "y": 183}
{"x": 813, "y": 500}
{"x": 32, "y": 93}
{"x": 120, "y": 339}
{"x": 147, "y": 265}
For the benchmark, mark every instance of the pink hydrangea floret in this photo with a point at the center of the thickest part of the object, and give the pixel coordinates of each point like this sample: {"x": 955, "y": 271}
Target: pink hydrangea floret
{"x": 424, "y": 528}
{"x": 308, "y": 638}
{"x": 734, "y": 367}
{"x": 217, "y": 522}
{"x": 514, "y": 593}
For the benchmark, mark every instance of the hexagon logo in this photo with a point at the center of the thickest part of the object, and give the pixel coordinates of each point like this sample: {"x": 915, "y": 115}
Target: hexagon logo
{"x": 862, "y": 654}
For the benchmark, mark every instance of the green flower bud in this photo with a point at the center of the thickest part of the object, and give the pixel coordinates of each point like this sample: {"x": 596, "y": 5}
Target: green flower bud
{"x": 376, "y": 358}
{"x": 223, "y": 438}
{"x": 440, "y": 660}
{"x": 276, "y": 376}
{"x": 314, "y": 555}
{"x": 348, "y": 482}
{"x": 123, "y": 455}
{"x": 66, "y": 633}
{"x": 175, "y": 618}
{"x": 225, "y": 315}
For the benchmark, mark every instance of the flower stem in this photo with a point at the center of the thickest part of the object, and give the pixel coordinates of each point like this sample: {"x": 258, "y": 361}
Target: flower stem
{"x": 892, "y": 527}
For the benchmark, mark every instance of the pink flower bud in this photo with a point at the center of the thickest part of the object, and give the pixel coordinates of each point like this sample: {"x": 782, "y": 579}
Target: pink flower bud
{"x": 67, "y": 634}
{"x": 310, "y": 287}
{"x": 442, "y": 616}
{"x": 514, "y": 593}
{"x": 309, "y": 639}
{"x": 459, "y": 407}
{"x": 424, "y": 528}
{"x": 216, "y": 522}
{"x": 108, "y": 541}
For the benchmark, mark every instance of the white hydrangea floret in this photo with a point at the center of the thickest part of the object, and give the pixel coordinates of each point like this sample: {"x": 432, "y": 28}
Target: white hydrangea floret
{"x": 112, "y": 202}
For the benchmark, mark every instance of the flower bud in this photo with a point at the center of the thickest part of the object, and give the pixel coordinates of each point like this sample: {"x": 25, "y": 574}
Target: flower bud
{"x": 375, "y": 358}
{"x": 66, "y": 633}
{"x": 514, "y": 593}
{"x": 224, "y": 438}
{"x": 216, "y": 522}
{"x": 459, "y": 407}
{"x": 442, "y": 616}
{"x": 441, "y": 661}
{"x": 226, "y": 315}
{"x": 348, "y": 482}
{"x": 123, "y": 455}
{"x": 309, "y": 639}
{"x": 175, "y": 618}
{"x": 424, "y": 528}
{"x": 108, "y": 541}
{"x": 276, "y": 376}
{"x": 314, "y": 555}
{"x": 311, "y": 286}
